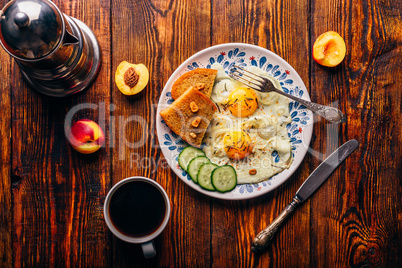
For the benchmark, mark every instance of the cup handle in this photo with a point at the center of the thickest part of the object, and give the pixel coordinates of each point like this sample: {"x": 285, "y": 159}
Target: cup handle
{"x": 148, "y": 249}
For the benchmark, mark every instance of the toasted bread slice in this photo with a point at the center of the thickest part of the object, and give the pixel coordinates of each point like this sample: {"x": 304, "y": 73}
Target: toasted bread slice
{"x": 183, "y": 120}
{"x": 192, "y": 78}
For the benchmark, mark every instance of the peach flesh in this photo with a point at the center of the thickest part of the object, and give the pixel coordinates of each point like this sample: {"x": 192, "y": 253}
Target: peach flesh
{"x": 329, "y": 49}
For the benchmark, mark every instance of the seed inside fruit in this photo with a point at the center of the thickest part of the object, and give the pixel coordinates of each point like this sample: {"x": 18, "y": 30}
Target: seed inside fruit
{"x": 131, "y": 77}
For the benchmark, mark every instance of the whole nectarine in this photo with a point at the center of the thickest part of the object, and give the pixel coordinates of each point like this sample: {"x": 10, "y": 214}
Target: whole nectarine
{"x": 86, "y": 136}
{"x": 329, "y": 49}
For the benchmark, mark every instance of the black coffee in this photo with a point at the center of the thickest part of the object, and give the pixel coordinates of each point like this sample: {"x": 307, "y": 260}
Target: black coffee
{"x": 137, "y": 209}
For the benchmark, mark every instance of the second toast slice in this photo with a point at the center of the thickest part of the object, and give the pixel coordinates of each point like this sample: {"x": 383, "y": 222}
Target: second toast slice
{"x": 199, "y": 76}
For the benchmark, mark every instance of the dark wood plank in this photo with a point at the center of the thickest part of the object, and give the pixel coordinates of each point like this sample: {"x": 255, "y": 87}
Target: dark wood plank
{"x": 356, "y": 215}
{"x": 6, "y": 181}
{"x": 160, "y": 34}
{"x": 51, "y": 197}
{"x": 57, "y": 204}
{"x": 269, "y": 24}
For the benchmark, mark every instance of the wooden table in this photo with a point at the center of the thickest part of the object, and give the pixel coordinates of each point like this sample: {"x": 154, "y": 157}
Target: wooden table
{"x": 51, "y": 197}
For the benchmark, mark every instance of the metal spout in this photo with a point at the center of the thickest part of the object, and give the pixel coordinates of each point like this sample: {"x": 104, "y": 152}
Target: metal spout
{"x": 70, "y": 39}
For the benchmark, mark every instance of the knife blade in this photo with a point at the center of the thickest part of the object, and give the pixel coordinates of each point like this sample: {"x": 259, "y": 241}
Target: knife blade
{"x": 322, "y": 172}
{"x": 310, "y": 185}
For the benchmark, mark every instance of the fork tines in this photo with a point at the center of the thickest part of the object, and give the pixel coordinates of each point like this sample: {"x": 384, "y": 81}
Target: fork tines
{"x": 255, "y": 81}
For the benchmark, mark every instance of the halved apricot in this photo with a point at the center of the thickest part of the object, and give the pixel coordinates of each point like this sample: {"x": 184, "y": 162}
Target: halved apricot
{"x": 329, "y": 49}
{"x": 131, "y": 78}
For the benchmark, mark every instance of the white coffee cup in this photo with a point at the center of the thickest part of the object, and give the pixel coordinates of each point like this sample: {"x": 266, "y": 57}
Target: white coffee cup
{"x": 146, "y": 240}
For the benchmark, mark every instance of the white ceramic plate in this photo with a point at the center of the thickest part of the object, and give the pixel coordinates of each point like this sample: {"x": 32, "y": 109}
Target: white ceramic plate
{"x": 300, "y": 130}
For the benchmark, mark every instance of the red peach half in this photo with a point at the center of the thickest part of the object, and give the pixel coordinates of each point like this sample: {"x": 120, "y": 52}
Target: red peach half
{"x": 329, "y": 49}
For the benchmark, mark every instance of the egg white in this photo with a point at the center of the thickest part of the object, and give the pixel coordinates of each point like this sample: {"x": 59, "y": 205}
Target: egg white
{"x": 266, "y": 128}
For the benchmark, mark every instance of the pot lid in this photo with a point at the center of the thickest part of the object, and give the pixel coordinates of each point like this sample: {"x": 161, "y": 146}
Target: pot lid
{"x": 31, "y": 29}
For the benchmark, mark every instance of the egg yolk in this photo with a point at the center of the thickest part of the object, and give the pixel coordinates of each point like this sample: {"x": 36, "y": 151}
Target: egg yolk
{"x": 237, "y": 145}
{"x": 242, "y": 102}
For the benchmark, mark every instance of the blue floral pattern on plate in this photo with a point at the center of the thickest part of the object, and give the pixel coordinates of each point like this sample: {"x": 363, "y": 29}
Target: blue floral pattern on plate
{"x": 299, "y": 113}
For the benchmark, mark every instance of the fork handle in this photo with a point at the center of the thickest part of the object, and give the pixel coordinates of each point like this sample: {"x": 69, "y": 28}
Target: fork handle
{"x": 329, "y": 113}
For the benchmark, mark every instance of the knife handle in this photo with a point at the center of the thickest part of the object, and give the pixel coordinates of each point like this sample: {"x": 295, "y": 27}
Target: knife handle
{"x": 265, "y": 236}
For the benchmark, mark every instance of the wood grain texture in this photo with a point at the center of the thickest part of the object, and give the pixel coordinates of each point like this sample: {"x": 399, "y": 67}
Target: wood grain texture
{"x": 51, "y": 197}
{"x": 269, "y": 25}
{"x": 362, "y": 209}
{"x": 57, "y": 211}
{"x": 6, "y": 181}
{"x": 161, "y": 35}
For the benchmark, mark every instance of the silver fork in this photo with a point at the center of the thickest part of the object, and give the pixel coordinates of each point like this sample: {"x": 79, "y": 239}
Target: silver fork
{"x": 263, "y": 84}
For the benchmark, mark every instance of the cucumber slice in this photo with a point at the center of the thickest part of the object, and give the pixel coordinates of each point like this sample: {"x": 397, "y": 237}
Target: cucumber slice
{"x": 204, "y": 176}
{"x": 188, "y": 154}
{"x": 195, "y": 165}
{"x": 224, "y": 178}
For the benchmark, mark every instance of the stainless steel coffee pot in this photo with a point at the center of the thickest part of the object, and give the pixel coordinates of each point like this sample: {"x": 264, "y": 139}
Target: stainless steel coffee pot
{"x": 58, "y": 55}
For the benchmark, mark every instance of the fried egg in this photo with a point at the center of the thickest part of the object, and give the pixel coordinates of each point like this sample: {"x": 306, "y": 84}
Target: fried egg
{"x": 242, "y": 102}
{"x": 248, "y": 131}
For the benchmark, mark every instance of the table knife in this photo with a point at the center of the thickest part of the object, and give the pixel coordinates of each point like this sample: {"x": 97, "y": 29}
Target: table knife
{"x": 310, "y": 185}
